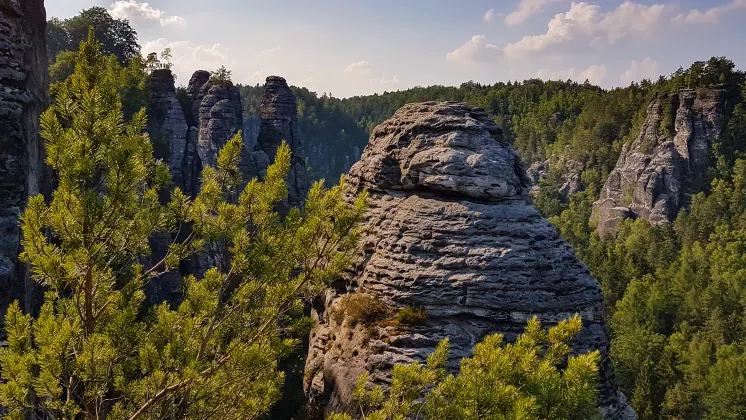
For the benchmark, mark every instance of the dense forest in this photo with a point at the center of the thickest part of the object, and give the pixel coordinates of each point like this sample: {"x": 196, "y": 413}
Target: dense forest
{"x": 675, "y": 293}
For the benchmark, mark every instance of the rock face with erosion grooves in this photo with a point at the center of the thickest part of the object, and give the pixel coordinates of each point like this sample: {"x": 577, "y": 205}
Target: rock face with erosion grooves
{"x": 450, "y": 228}
{"x": 656, "y": 174}
{"x": 23, "y": 95}
{"x": 169, "y": 126}
{"x": 278, "y": 112}
{"x": 221, "y": 118}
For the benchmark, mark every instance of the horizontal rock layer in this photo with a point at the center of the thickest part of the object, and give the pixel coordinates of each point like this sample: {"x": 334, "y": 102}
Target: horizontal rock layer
{"x": 450, "y": 228}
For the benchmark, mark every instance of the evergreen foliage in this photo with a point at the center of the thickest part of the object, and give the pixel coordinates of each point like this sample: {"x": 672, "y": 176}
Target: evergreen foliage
{"x": 531, "y": 379}
{"x": 95, "y": 351}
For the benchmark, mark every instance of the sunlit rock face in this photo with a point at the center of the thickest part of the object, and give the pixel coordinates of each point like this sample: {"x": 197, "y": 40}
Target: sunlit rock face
{"x": 23, "y": 96}
{"x": 278, "y": 113}
{"x": 656, "y": 174}
{"x": 451, "y": 228}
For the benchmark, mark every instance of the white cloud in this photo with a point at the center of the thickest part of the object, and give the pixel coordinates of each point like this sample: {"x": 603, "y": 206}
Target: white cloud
{"x": 525, "y": 9}
{"x": 188, "y": 57}
{"x": 272, "y": 50}
{"x": 585, "y": 25}
{"x": 383, "y": 81}
{"x": 709, "y": 16}
{"x": 258, "y": 76}
{"x": 638, "y": 70}
{"x": 358, "y": 69}
{"x": 136, "y": 11}
{"x": 489, "y": 16}
{"x": 595, "y": 74}
{"x": 476, "y": 49}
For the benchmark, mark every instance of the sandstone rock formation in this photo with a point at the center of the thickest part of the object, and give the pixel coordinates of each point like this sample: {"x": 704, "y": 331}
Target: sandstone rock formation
{"x": 221, "y": 118}
{"x": 655, "y": 175}
{"x": 23, "y": 94}
{"x": 194, "y": 88}
{"x": 569, "y": 175}
{"x": 450, "y": 228}
{"x": 168, "y": 125}
{"x": 279, "y": 122}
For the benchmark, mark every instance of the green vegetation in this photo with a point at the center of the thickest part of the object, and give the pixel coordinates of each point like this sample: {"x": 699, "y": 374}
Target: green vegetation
{"x": 412, "y": 315}
{"x": 531, "y": 379}
{"x": 361, "y": 308}
{"x": 95, "y": 350}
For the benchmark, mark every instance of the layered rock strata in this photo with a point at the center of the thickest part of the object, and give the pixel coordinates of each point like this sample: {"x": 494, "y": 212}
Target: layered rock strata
{"x": 450, "y": 228}
{"x": 23, "y": 96}
{"x": 169, "y": 126}
{"x": 278, "y": 112}
{"x": 656, "y": 174}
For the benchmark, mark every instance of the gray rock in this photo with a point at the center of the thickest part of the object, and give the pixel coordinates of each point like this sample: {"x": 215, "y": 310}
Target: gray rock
{"x": 221, "y": 118}
{"x": 450, "y": 227}
{"x": 169, "y": 123}
{"x": 194, "y": 88}
{"x": 569, "y": 173}
{"x": 23, "y": 95}
{"x": 278, "y": 112}
{"x": 656, "y": 173}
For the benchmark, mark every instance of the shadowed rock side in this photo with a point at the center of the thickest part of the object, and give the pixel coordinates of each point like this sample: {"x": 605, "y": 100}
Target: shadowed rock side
{"x": 656, "y": 174}
{"x": 23, "y": 95}
{"x": 278, "y": 112}
{"x": 450, "y": 228}
{"x": 169, "y": 125}
{"x": 221, "y": 118}
{"x": 194, "y": 88}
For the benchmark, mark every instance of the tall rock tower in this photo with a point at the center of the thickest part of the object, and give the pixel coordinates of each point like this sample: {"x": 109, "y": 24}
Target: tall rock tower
{"x": 279, "y": 122}
{"x": 23, "y": 95}
{"x": 450, "y": 227}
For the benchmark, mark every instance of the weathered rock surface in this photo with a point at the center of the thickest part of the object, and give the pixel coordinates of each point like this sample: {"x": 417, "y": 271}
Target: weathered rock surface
{"x": 655, "y": 174}
{"x": 450, "y": 228}
{"x": 23, "y": 95}
{"x": 169, "y": 125}
{"x": 221, "y": 118}
{"x": 278, "y": 112}
{"x": 569, "y": 176}
{"x": 194, "y": 88}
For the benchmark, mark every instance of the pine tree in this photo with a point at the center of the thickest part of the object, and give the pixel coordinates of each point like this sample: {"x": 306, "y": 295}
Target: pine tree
{"x": 95, "y": 351}
{"x": 524, "y": 380}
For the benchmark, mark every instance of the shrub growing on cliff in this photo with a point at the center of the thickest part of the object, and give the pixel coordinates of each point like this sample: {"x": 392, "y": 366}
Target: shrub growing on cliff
{"x": 531, "y": 379}
{"x": 95, "y": 351}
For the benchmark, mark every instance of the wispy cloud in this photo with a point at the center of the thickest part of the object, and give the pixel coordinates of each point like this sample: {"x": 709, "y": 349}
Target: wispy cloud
{"x": 585, "y": 25}
{"x": 489, "y": 16}
{"x": 477, "y": 49}
{"x": 143, "y": 11}
{"x": 525, "y": 9}
{"x": 638, "y": 70}
{"x": 709, "y": 16}
{"x": 595, "y": 74}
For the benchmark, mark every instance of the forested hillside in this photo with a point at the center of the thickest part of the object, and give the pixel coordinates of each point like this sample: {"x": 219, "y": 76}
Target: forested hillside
{"x": 675, "y": 293}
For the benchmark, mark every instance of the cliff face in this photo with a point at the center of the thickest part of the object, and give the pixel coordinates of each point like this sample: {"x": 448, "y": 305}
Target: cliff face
{"x": 221, "y": 118}
{"x": 450, "y": 228}
{"x": 169, "y": 125}
{"x": 278, "y": 112}
{"x": 655, "y": 175}
{"x": 23, "y": 95}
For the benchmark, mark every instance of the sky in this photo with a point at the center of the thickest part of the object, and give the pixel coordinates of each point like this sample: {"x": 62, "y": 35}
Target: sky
{"x": 360, "y": 47}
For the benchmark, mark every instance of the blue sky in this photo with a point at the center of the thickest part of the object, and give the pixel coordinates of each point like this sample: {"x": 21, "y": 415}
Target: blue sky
{"x": 352, "y": 47}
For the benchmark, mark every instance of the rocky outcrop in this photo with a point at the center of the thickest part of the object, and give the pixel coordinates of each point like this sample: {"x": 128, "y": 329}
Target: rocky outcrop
{"x": 278, "y": 112}
{"x": 194, "y": 88}
{"x": 23, "y": 95}
{"x": 656, "y": 174}
{"x": 221, "y": 118}
{"x": 451, "y": 228}
{"x": 567, "y": 170}
{"x": 168, "y": 126}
